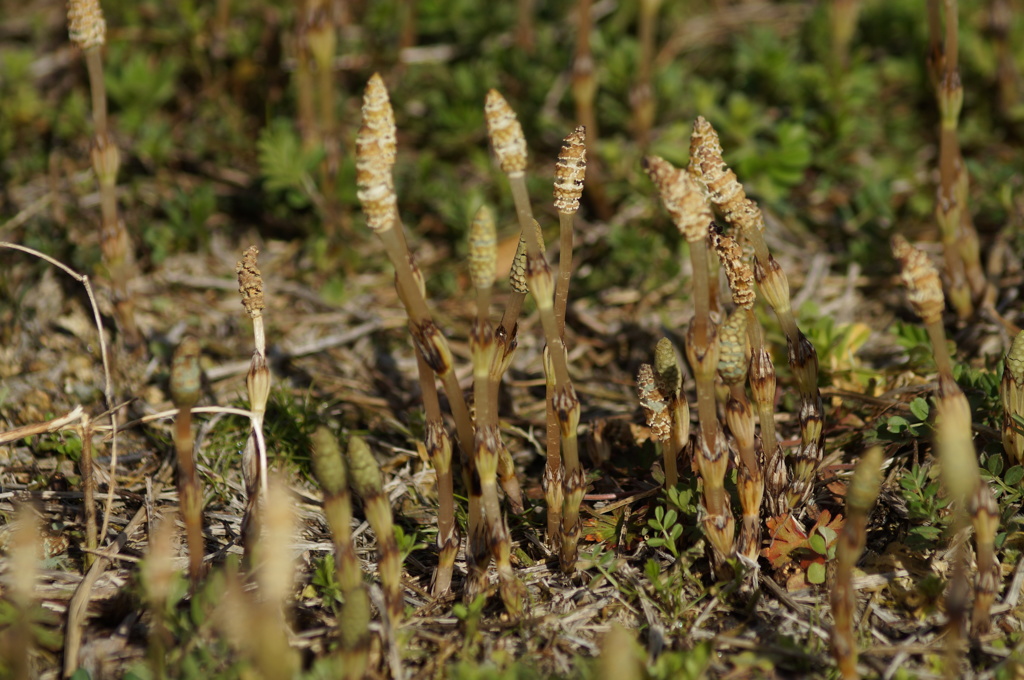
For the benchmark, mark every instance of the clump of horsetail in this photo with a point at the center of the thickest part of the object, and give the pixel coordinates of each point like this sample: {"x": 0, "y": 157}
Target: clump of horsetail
{"x": 186, "y": 387}
{"x": 761, "y": 370}
{"x": 509, "y": 145}
{"x": 366, "y": 480}
{"x": 691, "y": 214}
{"x": 959, "y": 238}
{"x": 488, "y": 445}
{"x": 860, "y": 497}
{"x": 376, "y": 148}
{"x": 1011, "y": 393}
{"x": 734, "y": 358}
{"x": 729, "y": 197}
{"x": 354, "y": 617}
{"x": 953, "y": 439}
{"x": 488, "y": 351}
{"x": 87, "y": 29}
{"x": 257, "y": 382}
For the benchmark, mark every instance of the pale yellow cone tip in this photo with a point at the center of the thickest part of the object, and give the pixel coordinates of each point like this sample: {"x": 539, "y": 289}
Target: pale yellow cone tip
{"x": 483, "y": 248}
{"x": 570, "y": 171}
{"x": 86, "y": 26}
{"x": 682, "y": 198}
{"x": 379, "y": 118}
{"x": 506, "y": 134}
{"x": 924, "y": 288}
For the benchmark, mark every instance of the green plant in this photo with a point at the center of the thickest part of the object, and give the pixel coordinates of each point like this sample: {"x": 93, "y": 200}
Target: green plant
{"x": 925, "y": 506}
{"x": 665, "y": 523}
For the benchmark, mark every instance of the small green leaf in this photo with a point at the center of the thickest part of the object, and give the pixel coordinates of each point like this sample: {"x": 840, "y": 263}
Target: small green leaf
{"x": 817, "y": 543}
{"x": 994, "y": 464}
{"x": 829, "y": 534}
{"x": 670, "y": 518}
{"x": 919, "y": 407}
{"x": 897, "y": 424}
{"x": 1014, "y": 475}
{"x": 816, "y": 573}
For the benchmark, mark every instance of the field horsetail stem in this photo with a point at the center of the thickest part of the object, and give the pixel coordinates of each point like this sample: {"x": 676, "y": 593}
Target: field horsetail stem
{"x": 376, "y": 150}
{"x": 257, "y": 381}
{"x": 354, "y": 617}
{"x": 959, "y": 237}
{"x": 972, "y": 499}
{"x": 743, "y": 214}
{"x": 488, "y": 445}
{"x": 186, "y": 388}
{"x": 669, "y": 380}
{"x": 685, "y": 203}
{"x": 87, "y": 30}
{"x": 365, "y": 478}
{"x": 509, "y": 146}
{"x": 860, "y": 498}
{"x": 1011, "y": 393}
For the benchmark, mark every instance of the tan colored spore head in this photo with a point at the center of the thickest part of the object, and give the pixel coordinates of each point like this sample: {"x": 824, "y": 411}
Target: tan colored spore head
{"x": 734, "y": 352}
{"x": 374, "y": 182}
{"x": 723, "y": 189}
{"x": 654, "y": 403}
{"x": 517, "y": 275}
{"x": 924, "y": 288}
{"x": 704, "y": 145}
{"x": 375, "y": 158}
{"x": 737, "y": 270}
{"x": 666, "y": 368}
{"x": 570, "y": 171}
{"x": 250, "y": 282}
{"x": 379, "y": 116}
{"x": 506, "y": 134}
{"x": 483, "y": 248}
{"x": 86, "y": 26}
{"x": 681, "y": 197}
